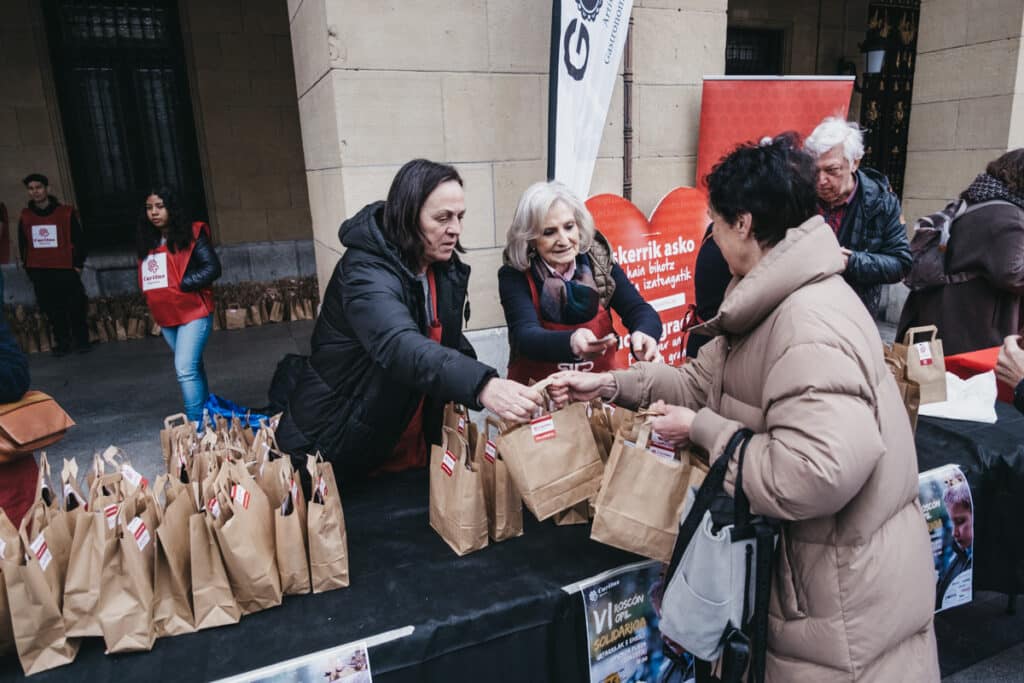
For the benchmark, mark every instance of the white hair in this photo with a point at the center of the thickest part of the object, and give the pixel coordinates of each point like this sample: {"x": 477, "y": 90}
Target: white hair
{"x": 528, "y": 221}
{"x": 836, "y": 131}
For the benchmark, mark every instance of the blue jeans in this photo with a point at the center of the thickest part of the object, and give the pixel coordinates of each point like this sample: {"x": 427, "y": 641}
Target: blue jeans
{"x": 188, "y": 341}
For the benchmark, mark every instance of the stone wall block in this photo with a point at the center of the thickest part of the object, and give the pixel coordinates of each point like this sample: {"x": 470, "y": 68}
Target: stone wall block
{"x": 272, "y": 260}
{"x": 993, "y": 19}
{"x": 310, "y": 53}
{"x": 241, "y": 225}
{"x": 607, "y": 176}
{"x": 478, "y": 229}
{"x": 485, "y": 303}
{"x": 942, "y": 25}
{"x": 288, "y": 224}
{"x": 653, "y": 178}
{"x": 984, "y": 123}
{"x": 684, "y": 5}
{"x": 8, "y": 127}
{"x": 388, "y": 117}
{"x": 938, "y": 76}
{"x": 266, "y": 192}
{"x": 215, "y": 17}
{"x": 933, "y": 126}
{"x": 673, "y": 48}
{"x": 490, "y": 116}
{"x": 511, "y": 178}
{"x": 986, "y": 69}
{"x": 519, "y": 35}
{"x": 611, "y": 139}
{"x": 942, "y": 175}
{"x": 23, "y": 87}
{"x": 320, "y": 140}
{"x": 669, "y": 120}
{"x": 306, "y": 257}
{"x": 326, "y": 204}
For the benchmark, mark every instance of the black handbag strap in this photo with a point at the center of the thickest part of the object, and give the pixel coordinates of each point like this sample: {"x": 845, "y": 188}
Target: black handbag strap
{"x": 713, "y": 484}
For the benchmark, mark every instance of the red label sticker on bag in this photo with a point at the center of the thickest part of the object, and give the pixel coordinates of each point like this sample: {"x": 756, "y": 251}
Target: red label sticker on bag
{"x": 490, "y": 451}
{"x": 448, "y": 463}
{"x": 543, "y": 428}
{"x": 41, "y": 552}
{"x": 240, "y": 496}
{"x": 133, "y": 477}
{"x": 321, "y": 487}
{"x": 139, "y": 531}
{"x": 214, "y": 507}
{"x": 924, "y": 352}
{"x": 660, "y": 447}
{"x": 462, "y": 425}
{"x": 111, "y": 514}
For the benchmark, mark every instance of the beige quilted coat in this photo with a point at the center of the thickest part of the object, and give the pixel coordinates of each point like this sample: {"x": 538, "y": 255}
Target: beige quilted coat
{"x": 799, "y": 361}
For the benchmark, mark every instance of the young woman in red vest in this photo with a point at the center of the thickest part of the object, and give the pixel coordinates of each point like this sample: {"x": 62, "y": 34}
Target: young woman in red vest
{"x": 558, "y": 287}
{"x": 177, "y": 265}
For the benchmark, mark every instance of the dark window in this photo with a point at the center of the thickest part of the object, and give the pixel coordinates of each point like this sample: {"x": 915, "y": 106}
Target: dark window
{"x": 753, "y": 52}
{"x": 120, "y": 76}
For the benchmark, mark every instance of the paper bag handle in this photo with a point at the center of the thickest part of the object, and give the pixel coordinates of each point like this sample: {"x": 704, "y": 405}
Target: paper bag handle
{"x": 173, "y": 420}
{"x": 908, "y": 338}
{"x": 643, "y": 437}
{"x": 491, "y": 421}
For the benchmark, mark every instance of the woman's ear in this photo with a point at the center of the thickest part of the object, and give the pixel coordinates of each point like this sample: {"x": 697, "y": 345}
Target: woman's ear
{"x": 745, "y": 224}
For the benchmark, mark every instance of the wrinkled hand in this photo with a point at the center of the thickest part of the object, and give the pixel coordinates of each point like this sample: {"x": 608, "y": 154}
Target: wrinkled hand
{"x": 674, "y": 422}
{"x": 644, "y": 347}
{"x": 1010, "y": 366}
{"x": 586, "y": 345}
{"x": 846, "y": 257}
{"x": 571, "y": 385}
{"x": 509, "y": 400}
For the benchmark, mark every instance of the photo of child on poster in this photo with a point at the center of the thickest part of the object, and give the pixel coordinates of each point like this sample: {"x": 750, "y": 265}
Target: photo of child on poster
{"x": 949, "y": 511}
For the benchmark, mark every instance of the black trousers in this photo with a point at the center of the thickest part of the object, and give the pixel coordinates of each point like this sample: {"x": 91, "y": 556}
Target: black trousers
{"x": 62, "y": 299}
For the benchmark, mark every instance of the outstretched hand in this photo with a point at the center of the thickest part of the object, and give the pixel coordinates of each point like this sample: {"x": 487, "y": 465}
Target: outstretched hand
{"x": 1010, "y": 365}
{"x": 571, "y": 385}
{"x": 510, "y": 400}
{"x": 672, "y": 423}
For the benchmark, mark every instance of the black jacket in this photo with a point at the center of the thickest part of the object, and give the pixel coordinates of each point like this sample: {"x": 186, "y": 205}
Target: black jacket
{"x": 873, "y": 229}
{"x": 78, "y": 249}
{"x": 372, "y": 361}
{"x": 711, "y": 277}
{"x": 203, "y": 266}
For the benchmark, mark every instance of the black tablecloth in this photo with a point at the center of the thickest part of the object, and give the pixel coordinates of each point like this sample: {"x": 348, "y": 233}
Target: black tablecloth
{"x": 992, "y": 459}
{"x": 496, "y": 615}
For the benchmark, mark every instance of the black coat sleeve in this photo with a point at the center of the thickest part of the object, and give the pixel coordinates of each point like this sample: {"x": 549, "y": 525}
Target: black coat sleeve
{"x": 389, "y": 334}
{"x": 891, "y": 262}
{"x": 21, "y": 242}
{"x": 78, "y": 248}
{"x": 203, "y": 266}
{"x": 525, "y": 333}
{"x": 636, "y": 314}
{"x": 14, "y": 375}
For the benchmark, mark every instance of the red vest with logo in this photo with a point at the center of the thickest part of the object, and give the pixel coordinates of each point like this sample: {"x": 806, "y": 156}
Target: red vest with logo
{"x": 48, "y": 238}
{"x": 160, "y": 276}
{"x": 522, "y": 369}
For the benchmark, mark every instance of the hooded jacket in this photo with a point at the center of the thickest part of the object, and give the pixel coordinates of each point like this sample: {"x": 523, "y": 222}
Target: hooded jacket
{"x": 372, "y": 361}
{"x": 798, "y": 360}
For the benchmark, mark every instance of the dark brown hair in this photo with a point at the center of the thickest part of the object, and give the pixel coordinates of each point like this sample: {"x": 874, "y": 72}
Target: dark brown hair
{"x": 1009, "y": 168}
{"x": 409, "y": 190}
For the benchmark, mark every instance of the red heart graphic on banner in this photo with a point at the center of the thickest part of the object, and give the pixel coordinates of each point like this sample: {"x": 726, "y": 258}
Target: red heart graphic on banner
{"x": 659, "y": 256}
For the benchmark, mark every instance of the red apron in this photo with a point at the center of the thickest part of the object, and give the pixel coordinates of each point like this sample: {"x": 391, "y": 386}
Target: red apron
{"x": 411, "y": 451}
{"x": 523, "y": 369}
{"x": 48, "y": 238}
{"x": 160, "y": 276}
{"x": 18, "y": 487}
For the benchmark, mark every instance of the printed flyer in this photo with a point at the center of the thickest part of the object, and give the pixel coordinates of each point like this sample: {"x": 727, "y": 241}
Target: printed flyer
{"x": 949, "y": 511}
{"x": 623, "y": 641}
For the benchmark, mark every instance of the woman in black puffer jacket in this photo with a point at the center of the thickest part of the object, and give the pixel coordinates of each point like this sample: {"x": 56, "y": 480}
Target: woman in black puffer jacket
{"x": 388, "y": 350}
{"x": 177, "y": 266}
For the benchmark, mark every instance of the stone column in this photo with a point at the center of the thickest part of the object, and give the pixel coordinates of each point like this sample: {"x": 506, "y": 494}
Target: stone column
{"x": 465, "y": 81}
{"x": 968, "y": 105}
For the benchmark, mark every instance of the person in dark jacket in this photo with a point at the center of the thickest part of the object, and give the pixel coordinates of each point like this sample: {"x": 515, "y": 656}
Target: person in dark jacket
{"x": 388, "y": 349}
{"x": 863, "y": 211}
{"x": 177, "y": 266}
{"x": 711, "y": 277}
{"x": 51, "y": 244}
{"x": 1010, "y": 368}
{"x": 558, "y": 287}
{"x": 986, "y": 248}
{"x": 18, "y": 477}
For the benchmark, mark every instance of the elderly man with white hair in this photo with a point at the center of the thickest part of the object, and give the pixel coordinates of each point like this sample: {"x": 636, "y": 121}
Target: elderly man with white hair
{"x": 860, "y": 206}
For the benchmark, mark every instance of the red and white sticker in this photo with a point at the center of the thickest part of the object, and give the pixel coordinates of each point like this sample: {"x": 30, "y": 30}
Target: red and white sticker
{"x": 462, "y": 425}
{"x": 214, "y": 507}
{"x": 132, "y": 476}
{"x": 490, "y": 451}
{"x": 448, "y": 463}
{"x": 110, "y": 512}
{"x": 659, "y": 446}
{"x": 44, "y": 236}
{"x": 543, "y": 428}
{"x": 924, "y": 352}
{"x": 321, "y": 486}
{"x": 139, "y": 531}
{"x": 41, "y": 552}
{"x": 293, "y": 491}
{"x": 240, "y": 496}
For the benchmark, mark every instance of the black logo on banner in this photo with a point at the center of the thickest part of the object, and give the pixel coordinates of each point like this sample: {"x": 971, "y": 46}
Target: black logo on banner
{"x": 582, "y": 49}
{"x": 589, "y": 8}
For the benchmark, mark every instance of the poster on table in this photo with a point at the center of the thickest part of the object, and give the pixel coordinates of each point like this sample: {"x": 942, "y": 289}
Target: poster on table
{"x": 949, "y": 512}
{"x": 623, "y": 641}
{"x": 737, "y": 109}
{"x": 659, "y": 256}
{"x": 348, "y": 663}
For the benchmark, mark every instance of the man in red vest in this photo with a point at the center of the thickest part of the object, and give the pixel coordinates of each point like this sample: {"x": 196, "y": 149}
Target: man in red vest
{"x": 52, "y": 247}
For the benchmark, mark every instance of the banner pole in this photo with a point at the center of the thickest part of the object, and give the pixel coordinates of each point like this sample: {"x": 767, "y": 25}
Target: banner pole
{"x": 627, "y": 115}
{"x": 556, "y": 33}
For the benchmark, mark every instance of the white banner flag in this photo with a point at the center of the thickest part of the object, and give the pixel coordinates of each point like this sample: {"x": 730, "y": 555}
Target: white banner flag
{"x": 585, "y": 53}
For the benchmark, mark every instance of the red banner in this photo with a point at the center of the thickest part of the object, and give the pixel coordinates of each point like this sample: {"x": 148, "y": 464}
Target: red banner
{"x": 658, "y": 255}
{"x": 734, "y": 111}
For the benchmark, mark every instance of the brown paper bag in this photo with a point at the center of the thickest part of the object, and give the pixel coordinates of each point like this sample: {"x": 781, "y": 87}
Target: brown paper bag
{"x": 457, "y": 509}
{"x": 553, "y": 460}
{"x": 641, "y": 499}
{"x": 74, "y": 500}
{"x": 234, "y": 317}
{"x": 10, "y": 544}
{"x": 328, "y": 541}
{"x": 926, "y": 364}
{"x": 212, "y": 600}
{"x": 39, "y": 635}
{"x": 290, "y": 531}
{"x": 456, "y": 416}
{"x": 502, "y": 500}
{"x": 126, "y": 592}
{"x": 275, "y": 309}
{"x": 120, "y": 332}
{"x": 254, "y": 315}
{"x": 601, "y": 428}
{"x": 245, "y": 534}
{"x": 85, "y": 572}
{"x": 173, "y": 425}
{"x": 577, "y": 514}
{"x": 47, "y": 533}
{"x": 172, "y": 583}
{"x": 910, "y": 392}
{"x": 43, "y": 334}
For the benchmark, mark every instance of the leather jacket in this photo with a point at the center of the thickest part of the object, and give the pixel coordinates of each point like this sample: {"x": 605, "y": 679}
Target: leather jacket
{"x": 203, "y": 267}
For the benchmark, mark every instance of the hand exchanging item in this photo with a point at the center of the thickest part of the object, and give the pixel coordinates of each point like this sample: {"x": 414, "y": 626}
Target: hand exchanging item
{"x": 571, "y": 385}
{"x": 586, "y": 345}
{"x": 672, "y": 423}
{"x": 509, "y": 400}
{"x": 644, "y": 347}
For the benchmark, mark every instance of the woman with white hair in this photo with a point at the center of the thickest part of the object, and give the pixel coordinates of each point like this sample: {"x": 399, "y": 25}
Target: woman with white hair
{"x": 558, "y": 286}
{"x": 861, "y": 208}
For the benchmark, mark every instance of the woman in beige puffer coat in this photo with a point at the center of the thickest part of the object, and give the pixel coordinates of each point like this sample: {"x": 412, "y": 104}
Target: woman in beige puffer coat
{"x": 797, "y": 359}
